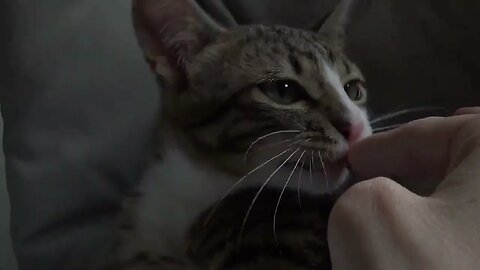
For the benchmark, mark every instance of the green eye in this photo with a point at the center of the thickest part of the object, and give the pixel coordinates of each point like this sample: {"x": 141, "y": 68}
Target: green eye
{"x": 355, "y": 90}
{"x": 283, "y": 92}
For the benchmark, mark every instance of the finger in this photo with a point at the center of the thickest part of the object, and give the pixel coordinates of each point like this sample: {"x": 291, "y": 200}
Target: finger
{"x": 468, "y": 110}
{"x": 419, "y": 150}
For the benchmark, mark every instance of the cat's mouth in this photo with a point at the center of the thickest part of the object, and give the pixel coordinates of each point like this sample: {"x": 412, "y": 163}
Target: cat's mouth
{"x": 319, "y": 153}
{"x": 318, "y": 162}
{"x": 323, "y": 147}
{"x": 326, "y": 176}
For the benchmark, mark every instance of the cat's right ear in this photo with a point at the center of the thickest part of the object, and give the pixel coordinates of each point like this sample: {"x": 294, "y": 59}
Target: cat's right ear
{"x": 334, "y": 25}
{"x": 171, "y": 32}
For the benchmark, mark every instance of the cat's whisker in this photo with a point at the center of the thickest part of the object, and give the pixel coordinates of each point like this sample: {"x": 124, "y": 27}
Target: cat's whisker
{"x": 299, "y": 184}
{"x": 311, "y": 175}
{"x": 210, "y": 215}
{"x": 313, "y": 165}
{"x": 324, "y": 171}
{"x": 292, "y": 144}
{"x": 281, "y": 195}
{"x": 275, "y": 144}
{"x": 266, "y": 136}
{"x": 403, "y": 112}
{"x": 381, "y": 129}
{"x": 260, "y": 191}
{"x": 300, "y": 125}
{"x": 300, "y": 179}
{"x": 288, "y": 146}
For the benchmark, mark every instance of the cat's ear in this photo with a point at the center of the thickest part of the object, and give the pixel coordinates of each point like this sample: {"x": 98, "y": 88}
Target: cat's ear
{"x": 171, "y": 32}
{"x": 334, "y": 25}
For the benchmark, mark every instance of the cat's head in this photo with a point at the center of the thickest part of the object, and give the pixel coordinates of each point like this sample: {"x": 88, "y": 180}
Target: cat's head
{"x": 228, "y": 88}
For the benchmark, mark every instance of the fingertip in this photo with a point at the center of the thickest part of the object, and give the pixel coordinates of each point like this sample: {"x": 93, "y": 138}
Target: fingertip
{"x": 354, "y": 155}
{"x": 351, "y": 153}
{"x": 357, "y": 148}
{"x": 363, "y": 154}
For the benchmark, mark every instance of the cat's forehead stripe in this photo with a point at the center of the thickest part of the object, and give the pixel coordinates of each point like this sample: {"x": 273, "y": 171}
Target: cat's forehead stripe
{"x": 296, "y": 65}
{"x": 277, "y": 36}
{"x": 347, "y": 67}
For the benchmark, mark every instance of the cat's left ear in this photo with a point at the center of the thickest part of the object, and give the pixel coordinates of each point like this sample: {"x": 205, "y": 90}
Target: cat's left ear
{"x": 334, "y": 25}
{"x": 172, "y": 32}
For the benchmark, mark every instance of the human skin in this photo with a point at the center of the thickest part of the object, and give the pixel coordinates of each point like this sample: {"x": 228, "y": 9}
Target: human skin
{"x": 379, "y": 224}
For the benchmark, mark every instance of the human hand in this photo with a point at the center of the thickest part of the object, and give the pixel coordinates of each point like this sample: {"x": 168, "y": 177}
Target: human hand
{"x": 378, "y": 224}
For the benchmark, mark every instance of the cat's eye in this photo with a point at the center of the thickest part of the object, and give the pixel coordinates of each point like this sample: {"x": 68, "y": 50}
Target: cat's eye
{"x": 355, "y": 90}
{"x": 283, "y": 92}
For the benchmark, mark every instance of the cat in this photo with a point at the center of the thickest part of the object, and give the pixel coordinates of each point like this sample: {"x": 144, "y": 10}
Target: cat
{"x": 256, "y": 122}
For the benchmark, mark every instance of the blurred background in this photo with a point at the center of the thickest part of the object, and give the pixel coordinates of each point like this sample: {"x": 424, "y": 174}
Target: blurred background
{"x": 7, "y": 259}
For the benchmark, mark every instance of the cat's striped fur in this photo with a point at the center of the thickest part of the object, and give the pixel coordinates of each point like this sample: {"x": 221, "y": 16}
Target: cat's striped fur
{"x": 292, "y": 93}
{"x": 298, "y": 243}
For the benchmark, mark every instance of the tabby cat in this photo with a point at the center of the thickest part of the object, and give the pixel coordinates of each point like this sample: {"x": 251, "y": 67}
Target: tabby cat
{"x": 256, "y": 122}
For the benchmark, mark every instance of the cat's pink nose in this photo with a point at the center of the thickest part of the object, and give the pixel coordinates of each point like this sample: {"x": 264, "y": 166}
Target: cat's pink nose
{"x": 356, "y": 131}
{"x": 351, "y": 132}
{"x": 344, "y": 127}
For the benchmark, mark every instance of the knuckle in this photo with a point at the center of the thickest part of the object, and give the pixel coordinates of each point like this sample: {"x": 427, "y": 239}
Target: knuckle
{"x": 376, "y": 204}
{"x": 376, "y": 189}
{"x": 375, "y": 197}
{"x": 383, "y": 192}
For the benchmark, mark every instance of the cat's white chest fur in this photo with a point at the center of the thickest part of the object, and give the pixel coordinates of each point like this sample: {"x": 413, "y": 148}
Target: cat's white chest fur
{"x": 176, "y": 190}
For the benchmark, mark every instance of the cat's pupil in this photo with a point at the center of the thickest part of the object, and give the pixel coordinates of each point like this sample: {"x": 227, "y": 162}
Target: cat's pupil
{"x": 282, "y": 90}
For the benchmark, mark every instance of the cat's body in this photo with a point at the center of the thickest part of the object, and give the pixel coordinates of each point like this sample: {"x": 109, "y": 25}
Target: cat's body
{"x": 175, "y": 193}
{"x": 256, "y": 124}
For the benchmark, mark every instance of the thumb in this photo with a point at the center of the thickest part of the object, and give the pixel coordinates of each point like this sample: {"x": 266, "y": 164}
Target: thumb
{"x": 424, "y": 151}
